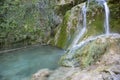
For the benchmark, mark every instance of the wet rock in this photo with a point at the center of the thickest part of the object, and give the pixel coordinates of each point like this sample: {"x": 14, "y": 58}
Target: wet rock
{"x": 72, "y": 18}
{"x": 65, "y": 31}
{"x": 101, "y": 50}
{"x": 101, "y": 61}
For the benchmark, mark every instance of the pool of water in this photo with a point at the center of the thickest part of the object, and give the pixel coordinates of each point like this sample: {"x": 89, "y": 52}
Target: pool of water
{"x": 21, "y": 64}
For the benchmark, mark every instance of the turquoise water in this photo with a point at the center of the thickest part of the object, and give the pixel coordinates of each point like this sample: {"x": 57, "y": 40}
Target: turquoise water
{"x": 21, "y": 64}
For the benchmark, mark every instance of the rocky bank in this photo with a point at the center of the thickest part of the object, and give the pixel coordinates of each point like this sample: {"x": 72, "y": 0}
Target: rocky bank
{"x": 98, "y": 58}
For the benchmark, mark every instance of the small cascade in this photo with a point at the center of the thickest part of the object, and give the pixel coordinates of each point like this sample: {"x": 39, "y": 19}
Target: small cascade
{"x": 84, "y": 10}
{"x": 106, "y": 22}
{"x": 82, "y": 31}
{"x": 107, "y": 30}
{"x": 75, "y": 42}
{"x": 85, "y": 42}
{"x": 76, "y": 45}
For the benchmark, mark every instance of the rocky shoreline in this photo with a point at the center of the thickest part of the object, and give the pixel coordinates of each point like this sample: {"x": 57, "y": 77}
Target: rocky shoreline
{"x": 106, "y": 67}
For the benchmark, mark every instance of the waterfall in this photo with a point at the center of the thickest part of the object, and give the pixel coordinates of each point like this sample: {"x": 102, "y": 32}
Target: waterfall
{"x": 82, "y": 31}
{"x": 106, "y": 22}
{"x": 80, "y": 34}
{"x": 71, "y": 59}
{"x": 115, "y": 35}
{"x": 107, "y": 30}
{"x": 84, "y": 10}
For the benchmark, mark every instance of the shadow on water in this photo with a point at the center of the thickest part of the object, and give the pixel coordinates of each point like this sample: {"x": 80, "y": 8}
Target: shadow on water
{"x": 21, "y": 64}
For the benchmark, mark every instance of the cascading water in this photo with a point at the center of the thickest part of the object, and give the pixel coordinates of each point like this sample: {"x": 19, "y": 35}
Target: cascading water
{"x": 106, "y": 22}
{"x": 76, "y": 45}
{"x": 84, "y": 10}
{"x": 107, "y": 30}
{"x": 82, "y": 31}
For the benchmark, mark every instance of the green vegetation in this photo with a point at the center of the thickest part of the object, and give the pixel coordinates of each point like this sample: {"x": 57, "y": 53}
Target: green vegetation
{"x": 22, "y": 22}
{"x": 86, "y": 55}
{"x": 114, "y": 15}
{"x": 92, "y": 52}
{"x": 62, "y": 39}
{"x": 27, "y": 22}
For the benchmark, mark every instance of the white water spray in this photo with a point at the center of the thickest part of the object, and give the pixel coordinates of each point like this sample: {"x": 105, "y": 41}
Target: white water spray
{"x": 84, "y": 10}
{"x": 77, "y": 45}
{"x": 82, "y": 31}
{"x": 107, "y": 30}
{"x": 106, "y": 22}
{"x": 80, "y": 34}
{"x": 106, "y": 25}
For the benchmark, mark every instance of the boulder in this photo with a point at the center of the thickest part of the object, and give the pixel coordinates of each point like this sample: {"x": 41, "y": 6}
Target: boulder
{"x": 41, "y": 74}
{"x": 102, "y": 49}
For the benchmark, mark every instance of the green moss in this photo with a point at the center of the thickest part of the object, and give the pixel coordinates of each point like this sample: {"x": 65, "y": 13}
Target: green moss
{"x": 87, "y": 55}
{"x": 95, "y": 23}
{"x": 63, "y": 37}
{"x": 91, "y": 53}
{"x": 63, "y": 60}
{"x": 97, "y": 26}
{"x": 115, "y": 25}
{"x": 114, "y": 16}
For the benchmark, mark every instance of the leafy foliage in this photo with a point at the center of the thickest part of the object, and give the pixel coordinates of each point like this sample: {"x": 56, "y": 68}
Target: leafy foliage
{"x": 22, "y": 21}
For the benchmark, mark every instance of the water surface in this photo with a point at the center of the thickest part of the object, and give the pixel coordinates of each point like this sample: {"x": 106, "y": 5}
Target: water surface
{"x": 21, "y": 64}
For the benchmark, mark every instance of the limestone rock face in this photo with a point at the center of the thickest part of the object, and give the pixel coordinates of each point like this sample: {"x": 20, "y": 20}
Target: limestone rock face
{"x": 67, "y": 28}
{"x": 104, "y": 49}
{"x": 72, "y": 21}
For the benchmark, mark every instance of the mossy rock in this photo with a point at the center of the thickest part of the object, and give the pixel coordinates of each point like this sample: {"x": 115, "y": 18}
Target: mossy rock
{"x": 62, "y": 38}
{"x": 91, "y": 52}
{"x": 95, "y": 23}
{"x": 114, "y": 15}
{"x": 74, "y": 18}
{"x": 67, "y": 28}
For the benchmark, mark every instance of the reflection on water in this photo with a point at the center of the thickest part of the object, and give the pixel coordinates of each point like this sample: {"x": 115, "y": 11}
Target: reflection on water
{"x": 21, "y": 64}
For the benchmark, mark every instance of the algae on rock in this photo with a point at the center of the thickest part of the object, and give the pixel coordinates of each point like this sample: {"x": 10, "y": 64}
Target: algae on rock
{"x": 95, "y": 21}
{"x": 91, "y": 52}
{"x": 68, "y": 27}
